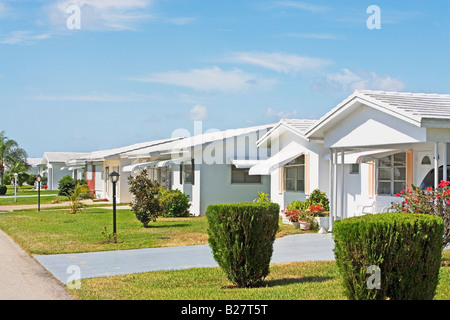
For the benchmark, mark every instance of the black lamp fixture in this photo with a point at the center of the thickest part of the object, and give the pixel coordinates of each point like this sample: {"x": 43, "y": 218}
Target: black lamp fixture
{"x": 114, "y": 176}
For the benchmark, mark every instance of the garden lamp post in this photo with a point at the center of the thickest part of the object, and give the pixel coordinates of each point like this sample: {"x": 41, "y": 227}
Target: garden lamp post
{"x": 114, "y": 179}
{"x": 39, "y": 191}
{"x": 15, "y": 186}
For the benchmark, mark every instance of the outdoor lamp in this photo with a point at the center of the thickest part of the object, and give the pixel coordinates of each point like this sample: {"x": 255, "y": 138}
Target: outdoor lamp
{"x": 15, "y": 186}
{"x": 38, "y": 178}
{"x": 114, "y": 176}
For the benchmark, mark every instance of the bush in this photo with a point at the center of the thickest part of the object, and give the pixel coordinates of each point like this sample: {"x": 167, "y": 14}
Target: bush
{"x": 174, "y": 203}
{"x": 67, "y": 185}
{"x": 241, "y": 236}
{"x": 145, "y": 203}
{"x": 318, "y": 198}
{"x": 3, "y": 190}
{"x": 407, "y": 249}
{"x": 31, "y": 180}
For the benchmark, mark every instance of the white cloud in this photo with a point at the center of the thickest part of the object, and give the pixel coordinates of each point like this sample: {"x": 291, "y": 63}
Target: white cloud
{"x": 275, "y": 114}
{"x": 348, "y": 81}
{"x": 23, "y": 37}
{"x": 101, "y": 14}
{"x": 95, "y": 97}
{"x": 303, "y": 6}
{"x": 198, "y": 113}
{"x": 210, "y": 79}
{"x": 279, "y": 62}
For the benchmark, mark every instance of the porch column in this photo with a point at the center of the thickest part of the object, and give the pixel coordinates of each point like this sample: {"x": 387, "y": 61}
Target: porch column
{"x": 342, "y": 213}
{"x": 330, "y": 191}
{"x": 436, "y": 164}
{"x": 335, "y": 185}
{"x": 444, "y": 160}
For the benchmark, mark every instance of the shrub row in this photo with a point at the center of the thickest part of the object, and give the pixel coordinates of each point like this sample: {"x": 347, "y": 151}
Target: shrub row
{"x": 241, "y": 236}
{"x": 407, "y": 249}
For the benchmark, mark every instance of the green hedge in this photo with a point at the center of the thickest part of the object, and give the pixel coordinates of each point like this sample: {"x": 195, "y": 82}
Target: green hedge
{"x": 3, "y": 190}
{"x": 407, "y": 249}
{"x": 241, "y": 236}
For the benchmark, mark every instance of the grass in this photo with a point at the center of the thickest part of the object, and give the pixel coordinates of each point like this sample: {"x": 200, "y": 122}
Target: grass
{"x": 46, "y": 196}
{"x": 57, "y": 232}
{"x": 312, "y": 280}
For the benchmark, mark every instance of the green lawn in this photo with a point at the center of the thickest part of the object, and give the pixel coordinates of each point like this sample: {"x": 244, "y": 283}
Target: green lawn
{"x": 56, "y": 231}
{"x": 27, "y": 191}
{"x": 46, "y": 196}
{"x": 289, "y": 281}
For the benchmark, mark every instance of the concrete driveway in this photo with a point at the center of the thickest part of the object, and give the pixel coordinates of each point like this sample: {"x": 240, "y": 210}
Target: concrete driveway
{"x": 66, "y": 267}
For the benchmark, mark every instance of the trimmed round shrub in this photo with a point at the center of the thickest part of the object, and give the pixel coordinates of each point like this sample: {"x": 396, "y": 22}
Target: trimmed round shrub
{"x": 241, "y": 236}
{"x": 3, "y": 190}
{"x": 174, "y": 203}
{"x": 406, "y": 249}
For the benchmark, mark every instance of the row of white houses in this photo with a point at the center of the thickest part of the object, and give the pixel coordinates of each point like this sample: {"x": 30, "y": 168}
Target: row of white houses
{"x": 361, "y": 153}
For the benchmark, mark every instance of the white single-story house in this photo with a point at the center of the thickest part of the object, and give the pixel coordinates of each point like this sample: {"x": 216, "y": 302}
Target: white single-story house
{"x": 376, "y": 144}
{"x": 53, "y": 166}
{"x": 397, "y": 138}
{"x": 34, "y": 165}
{"x": 95, "y": 168}
{"x": 210, "y": 167}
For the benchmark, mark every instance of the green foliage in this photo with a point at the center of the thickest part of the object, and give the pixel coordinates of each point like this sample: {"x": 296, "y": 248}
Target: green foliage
{"x": 31, "y": 179}
{"x": 262, "y": 198}
{"x": 145, "y": 203}
{"x": 174, "y": 203}
{"x": 3, "y": 190}
{"x": 241, "y": 236}
{"x": 318, "y": 198}
{"x": 406, "y": 247}
{"x": 75, "y": 197}
{"x": 67, "y": 185}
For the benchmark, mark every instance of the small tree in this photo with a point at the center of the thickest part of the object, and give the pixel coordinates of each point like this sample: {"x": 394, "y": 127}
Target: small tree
{"x": 145, "y": 203}
{"x": 76, "y": 196}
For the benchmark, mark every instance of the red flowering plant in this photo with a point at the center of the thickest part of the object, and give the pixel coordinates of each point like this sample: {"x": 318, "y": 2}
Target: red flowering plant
{"x": 317, "y": 211}
{"x": 435, "y": 201}
{"x": 292, "y": 215}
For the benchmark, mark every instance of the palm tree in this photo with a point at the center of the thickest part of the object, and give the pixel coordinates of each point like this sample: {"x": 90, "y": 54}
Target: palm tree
{"x": 10, "y": 154}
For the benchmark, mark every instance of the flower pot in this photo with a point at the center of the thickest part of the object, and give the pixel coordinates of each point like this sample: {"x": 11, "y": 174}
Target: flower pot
{"x": 305, "y": 225}
{"x": 296, "y": 224}
{"x": 323, "y": 222}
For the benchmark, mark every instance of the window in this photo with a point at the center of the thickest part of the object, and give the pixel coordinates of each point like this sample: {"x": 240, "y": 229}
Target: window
{"x": 354, "y": 168}
{"x": 240, "y": 175}
{"x": 294, "y": 175}
{"x": 391, "y": 174}
{"x": 188, "y": 173}
{"x": 426, "y": 160}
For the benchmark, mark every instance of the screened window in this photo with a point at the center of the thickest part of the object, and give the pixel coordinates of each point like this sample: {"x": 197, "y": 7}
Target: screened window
{"x": 294, "y": 175}
{"x": 391, "y": 174}
{"x": 240, "y": 175}
{"x": 188, "y": 173}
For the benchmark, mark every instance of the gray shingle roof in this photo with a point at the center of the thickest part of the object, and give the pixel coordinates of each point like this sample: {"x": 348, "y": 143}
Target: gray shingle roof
{"x": 422, "y": 105}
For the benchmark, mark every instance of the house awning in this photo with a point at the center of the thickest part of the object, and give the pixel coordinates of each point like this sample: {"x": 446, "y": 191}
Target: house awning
{"x": 363, "y": 156}
{"x": 167, "y": 163}
{"x": 245, "y": 164}
{"x": 286, "y": 155}
{"x": 138, "y": 166}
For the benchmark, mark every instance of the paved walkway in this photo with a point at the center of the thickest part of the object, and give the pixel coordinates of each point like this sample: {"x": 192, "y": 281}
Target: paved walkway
{"x": 292, "y": 248}
{"x": 23, "y": 278}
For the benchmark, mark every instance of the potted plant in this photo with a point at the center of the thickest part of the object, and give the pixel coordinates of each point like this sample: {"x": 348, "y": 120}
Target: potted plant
{"x": 293, "y": 216}
{"x": 320, "y": 216}
{"x": 306, "y": 219}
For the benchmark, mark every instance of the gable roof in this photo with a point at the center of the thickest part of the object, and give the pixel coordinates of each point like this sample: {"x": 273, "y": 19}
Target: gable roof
{"x": 105, "y": 154}
{"x": 197, "y": 140}
{"x": 420, "y": 109}
{"x": 60, "y": 157}
{"x": 298, "y": 126}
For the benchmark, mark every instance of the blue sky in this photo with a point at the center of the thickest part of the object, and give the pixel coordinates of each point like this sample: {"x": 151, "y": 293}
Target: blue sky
{"x": 138, "y": 70}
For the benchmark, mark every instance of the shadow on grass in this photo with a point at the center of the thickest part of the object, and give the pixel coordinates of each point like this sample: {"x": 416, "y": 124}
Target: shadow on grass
{"x": 167, "y": 225}
{"x": 288, "y": 281}
{"x": 283, "y": 282}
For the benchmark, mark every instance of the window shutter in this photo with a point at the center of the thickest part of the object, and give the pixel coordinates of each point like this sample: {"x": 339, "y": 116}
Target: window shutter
{"x": 307, "y": 173}
{"x": 371, "y": 173}
{"x": 280, "y": 180}
{"x": 409, "y": 168}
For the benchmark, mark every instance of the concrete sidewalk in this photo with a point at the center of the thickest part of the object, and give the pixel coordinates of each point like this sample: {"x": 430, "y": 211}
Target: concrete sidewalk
{"x": 302, "y": 247}
{"x": 23, "y": 278}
